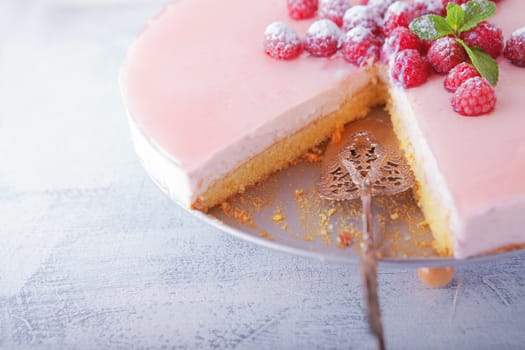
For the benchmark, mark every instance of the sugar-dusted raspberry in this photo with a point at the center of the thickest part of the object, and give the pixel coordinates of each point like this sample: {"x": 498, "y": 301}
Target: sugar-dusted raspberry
{"x": 380, "y": 6}
{"x": 363, "y": 16}
{"x": 302, "y": 9}
{"x": 409, "y": 68}
{"x": 474, "y": 97}
{"x": 322, "y": 38}
{"x": 401, "y": 39}
{"x": 486, "y": 36}
{"x": 429, "y": 7}
{"x": 425, "y": 45}
{"x": 333, "y": 10}
{"x": 399, "y": 14}
{"x": 458, "y": 75}
{"x": 459, "y": 2}
{"x": 515, "y": 48}
{"x": 446, "y": 53}
{"x": 361, "y": 47}
{"x": 281, "y": 41}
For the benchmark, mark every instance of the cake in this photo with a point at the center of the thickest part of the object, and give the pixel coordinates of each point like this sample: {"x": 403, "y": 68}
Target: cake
{"x": 211, "y": 114}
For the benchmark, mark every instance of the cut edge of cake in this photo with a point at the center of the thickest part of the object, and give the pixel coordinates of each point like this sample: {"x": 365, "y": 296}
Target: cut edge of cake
{"x": 285, "y": 151}
{"x": 431, "y": 192}
{"x": 435, "y": 200}
{"x": 282, "y": 153}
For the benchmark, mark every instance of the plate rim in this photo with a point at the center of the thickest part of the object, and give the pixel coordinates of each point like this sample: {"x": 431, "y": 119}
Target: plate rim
{"x": 286, "y": 249}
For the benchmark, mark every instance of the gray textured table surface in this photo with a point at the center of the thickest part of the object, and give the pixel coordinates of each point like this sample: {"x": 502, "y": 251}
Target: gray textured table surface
{"x": 93, "y": 256}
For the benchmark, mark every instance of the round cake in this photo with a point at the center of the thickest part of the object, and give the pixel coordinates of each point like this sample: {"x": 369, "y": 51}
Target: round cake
{"x": 211, "y": 114}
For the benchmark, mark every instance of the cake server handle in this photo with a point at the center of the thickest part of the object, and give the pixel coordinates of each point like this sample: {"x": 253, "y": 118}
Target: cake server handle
{"x": 369, "y": 267}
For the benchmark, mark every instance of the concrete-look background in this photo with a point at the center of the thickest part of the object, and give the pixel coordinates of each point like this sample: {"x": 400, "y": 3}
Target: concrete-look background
{"x": 93, "y": 255}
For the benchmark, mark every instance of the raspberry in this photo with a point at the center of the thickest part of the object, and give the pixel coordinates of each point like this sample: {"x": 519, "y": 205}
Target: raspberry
{"x": 302, "y": 9}
{"x": 363, "y": 16}
{"x": 322, "y": 38}
{"x": 380, "y": 6}
{"x": 446, "y": 53}
{"x": 425, "y": 45}
{"x": 409, "y": 68}
{"x": 515, "y": 48}
{"x": 458, "y": 2}
{"x": 474, "y": 97}
{"x": 361, "y": 46}
{"x": 333, "y": 10}
{"x": 401, "y": 39}
{"x": 281, "y": 41}
{"x": 487, "y": 37}
{"x": 458, "y": 75}
{"x": 399, "y": 14}
{"x": 429, "y": 7}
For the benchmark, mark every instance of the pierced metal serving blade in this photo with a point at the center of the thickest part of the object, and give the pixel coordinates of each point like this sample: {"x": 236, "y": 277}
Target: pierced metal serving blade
{"x": 390, "y": 175}
{"x": 362, "y": 168}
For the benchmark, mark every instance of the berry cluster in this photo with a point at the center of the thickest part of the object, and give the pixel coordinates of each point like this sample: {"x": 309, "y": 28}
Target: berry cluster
{"x": 410, "y": 37}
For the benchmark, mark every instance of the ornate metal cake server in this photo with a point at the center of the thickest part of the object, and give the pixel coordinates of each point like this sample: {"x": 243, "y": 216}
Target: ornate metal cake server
{"x": 364, "y": 168}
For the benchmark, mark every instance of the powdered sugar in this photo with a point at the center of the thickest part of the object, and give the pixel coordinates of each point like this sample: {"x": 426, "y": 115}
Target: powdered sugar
{"x": 446, "y": 53}
{"x": 302, "y": 9}
{"x": 519, "y": 33}
{"x": 324, "y": 28}
{"x": 400, "y": 39}
{"x": 355, "y": 13}
{"x": 486, "y": 36}
{"x": 426, "y": 7}
{"x": 333, "y": 10}
{"x": 361, "y": 15}
{"x": 399, "y": 14}
{"x": 322, "y": 38}
{"x": 515, "y": 48}
{"x": 483, "y": 5}
{"x": 281, "y": 31}
{"x": 458, "y": 75}
{"x": 409, "y": 68}
{"x": 380, "y": 6}
{"x": 474, "y": 97}
{"x": 281, "y": 41}
{"x": 397, "y": 8}
{"x": 426, "y": 26}
{"x": 361, "y": 47}
{"x": 357, "y": 34}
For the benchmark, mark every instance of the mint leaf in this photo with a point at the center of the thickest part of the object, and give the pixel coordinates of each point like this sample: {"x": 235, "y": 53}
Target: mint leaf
{"x": 431, "y": 27}
{"x": 484, "y": 63}
{"x": 477, "y": 11}
{"x": 455, "y": 15}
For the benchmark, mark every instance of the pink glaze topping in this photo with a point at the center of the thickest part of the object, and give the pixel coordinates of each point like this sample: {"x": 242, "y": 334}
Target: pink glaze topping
{"x": 198, "y": 84}
{"x": 481, "y": 159}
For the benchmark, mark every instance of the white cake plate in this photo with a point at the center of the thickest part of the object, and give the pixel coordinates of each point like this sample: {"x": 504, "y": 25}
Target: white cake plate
{"x": 286, "y": 214}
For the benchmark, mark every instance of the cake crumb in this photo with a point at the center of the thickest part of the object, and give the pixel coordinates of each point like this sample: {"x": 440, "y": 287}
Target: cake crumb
{"x": 240, "y": 215}
{"x": 299, "y": 192}
{"x": 344, "y": 239}
{"x": 423, "y": 245}
{"x": 278, "y": 217}
{"x": 394, "y": 216}
{"x": 265, "y": 234}
{"x": 423, "y": 224}
{"x": 312, "y": 157}
{"x": 337, "y": 134}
